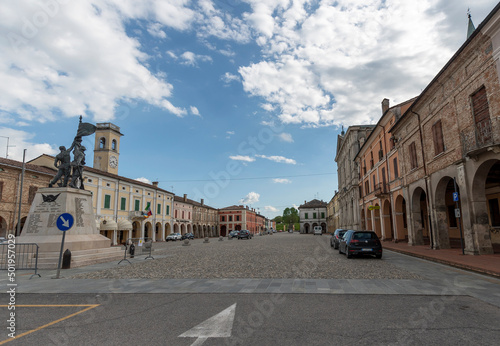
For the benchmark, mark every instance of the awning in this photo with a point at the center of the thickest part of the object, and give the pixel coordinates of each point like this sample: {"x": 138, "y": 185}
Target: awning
{"x": 98, "y": 225}
{"x": 108, "y": 225}
{"x": 124, "y": 225}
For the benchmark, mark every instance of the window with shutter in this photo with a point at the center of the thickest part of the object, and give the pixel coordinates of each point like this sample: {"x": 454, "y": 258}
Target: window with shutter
{"x": 396, "y": 173}
{"x": 437, "y": 136}
{"x": 481, "y": 113}
{"x": 413, "y": 155}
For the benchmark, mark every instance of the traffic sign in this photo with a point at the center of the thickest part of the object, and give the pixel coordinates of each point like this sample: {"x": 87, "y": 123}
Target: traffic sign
{"x": 373, "y": 207}
{"x": 455, "y": 196}
{"x": 65, "y": 222}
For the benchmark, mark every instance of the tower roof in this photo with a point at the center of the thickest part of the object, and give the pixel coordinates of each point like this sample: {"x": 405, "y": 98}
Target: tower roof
{"x": 470, "y": 26}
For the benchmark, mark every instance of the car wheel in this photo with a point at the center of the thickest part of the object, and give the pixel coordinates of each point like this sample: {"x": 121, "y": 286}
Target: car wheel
{"x": 336, "y": 246}
{"x": 378, "y": 256}
{"x": 331, "y": 244}
{"x": 347, "y": 252}
{"x": 340, "y": 251}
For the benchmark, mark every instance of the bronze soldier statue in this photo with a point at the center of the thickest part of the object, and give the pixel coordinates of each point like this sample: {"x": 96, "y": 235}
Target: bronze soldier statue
{"x": 63, "y": 165}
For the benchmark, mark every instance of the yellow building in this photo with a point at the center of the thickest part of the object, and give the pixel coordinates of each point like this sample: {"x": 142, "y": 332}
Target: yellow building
{"x": 121, "y": 204}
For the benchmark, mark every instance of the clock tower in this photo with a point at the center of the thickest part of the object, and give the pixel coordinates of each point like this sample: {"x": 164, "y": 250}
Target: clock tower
{"x": 107, "y": 147}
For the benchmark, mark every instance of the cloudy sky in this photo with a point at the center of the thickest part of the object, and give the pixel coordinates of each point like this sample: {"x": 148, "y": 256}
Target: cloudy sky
{"x": 233, "y": 101}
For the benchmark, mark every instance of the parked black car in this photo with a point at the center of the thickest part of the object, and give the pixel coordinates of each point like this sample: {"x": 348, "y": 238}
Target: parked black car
{"x": 244, "y": 234}
{"x": 336, "y": 236}
{"x": 360, "y": 243}
{"x": 188, "y": 236}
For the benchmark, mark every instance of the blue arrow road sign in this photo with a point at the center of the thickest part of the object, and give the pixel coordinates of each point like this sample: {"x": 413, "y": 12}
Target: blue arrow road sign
{"x": 65, "y": 221}
{"x": 455, "y": 196}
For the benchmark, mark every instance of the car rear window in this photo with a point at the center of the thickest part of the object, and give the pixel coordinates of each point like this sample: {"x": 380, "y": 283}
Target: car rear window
{"x": 367, "y": 235}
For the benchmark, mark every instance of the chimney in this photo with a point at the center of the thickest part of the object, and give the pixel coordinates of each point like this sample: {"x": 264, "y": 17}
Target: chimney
{"x": 202, "y": 201}
{"x": 185, "y": 197}
{"x": 385, "y": 105}
{"x": 155, "y": 183}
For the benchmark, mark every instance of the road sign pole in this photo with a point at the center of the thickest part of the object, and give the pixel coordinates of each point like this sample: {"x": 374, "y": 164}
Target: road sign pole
{"x": 60, "y": 256}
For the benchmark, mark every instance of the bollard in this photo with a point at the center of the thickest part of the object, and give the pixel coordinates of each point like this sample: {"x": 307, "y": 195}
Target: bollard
{"x": 66, "y": 261}
{"x": 221, "y": 238}
{"x": 207, "y": 240}
{"x": 186, "y": 242}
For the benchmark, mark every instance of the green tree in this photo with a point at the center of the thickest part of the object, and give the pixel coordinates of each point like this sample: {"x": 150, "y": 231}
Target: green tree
{"x": 290, "y": 216}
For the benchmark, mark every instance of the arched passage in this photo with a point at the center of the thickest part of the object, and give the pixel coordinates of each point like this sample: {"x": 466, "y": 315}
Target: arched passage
{"x": 183, "y": 229}
{"x": 3, "y": 227}
{"x": 420, "y": 218}
{"x": 363, "y": 219}
{"x": 447, "y": 233}
{"x": 167, "y": 229}
{"x": 377, "y": 221}
{"x": 158, "y": 235}
{"x": 369, "y": 225}
{"x": 136, "y": 229}
{"x": 485, "y": 204}
{"x": 387, "y": 221}
{"x": 223, "y": 231}
{"x": 148, "y": 227}
{"x": 401, "y": 220}
{"x": 176, "y": 228}
{"x": 306, "y": 228}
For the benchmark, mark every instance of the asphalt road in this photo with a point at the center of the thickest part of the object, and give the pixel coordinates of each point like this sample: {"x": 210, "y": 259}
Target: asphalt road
{"x": 259, "y": 319}
{"x": 399, "y": 300}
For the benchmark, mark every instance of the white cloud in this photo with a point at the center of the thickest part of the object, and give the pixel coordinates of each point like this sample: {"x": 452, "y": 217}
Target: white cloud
{"x": 333, "y": 63}
{"x": 79, "y": 58}
{"x": 271, "y": 208}
{"x": 251, "y": 198}
{"x": 194, "y": 111}
{"x": 155, "y": 30}
{"x": 285, "y": 137}
{"x": 230, "y": 132}
{"x": 229, "y": 77}
{"x": 191, "y": 59}
{"x": 282, "y": 181}
{"x": 242, "y": 158}
{"x": 143, "y": 180}
{"x": 280, "y": 159}
{"x": 20, "y": 140}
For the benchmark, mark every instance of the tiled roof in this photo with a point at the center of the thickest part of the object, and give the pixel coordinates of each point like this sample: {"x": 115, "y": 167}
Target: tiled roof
{"x": 314, "y": 204}
{"x": 29, "y": 166}
{"x": 190, "y": 201}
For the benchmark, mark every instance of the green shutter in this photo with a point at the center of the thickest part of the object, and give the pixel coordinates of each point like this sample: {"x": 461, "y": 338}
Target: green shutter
{"x": 322, "y": 215}
{"x": 123, "y": 205}
{"x": 168, "y": 210}
{"x": 307, "y": 216}
{"x": 137, "y": 205}
{"x": 107, "y": 201}
{"x": 314, "y": 215}
{"x": 159, "y": 209}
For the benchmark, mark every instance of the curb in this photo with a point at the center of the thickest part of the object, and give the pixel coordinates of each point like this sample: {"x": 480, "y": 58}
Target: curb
{"x": 449, "y": 263}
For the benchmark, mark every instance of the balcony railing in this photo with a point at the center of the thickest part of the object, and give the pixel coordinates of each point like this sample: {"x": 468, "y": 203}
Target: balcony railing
{"x": 381, "y": 190}
{"x": 476, "y": 137}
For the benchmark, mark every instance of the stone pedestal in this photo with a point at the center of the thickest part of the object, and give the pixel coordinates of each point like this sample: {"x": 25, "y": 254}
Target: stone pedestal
{"x": 83, "y": 239}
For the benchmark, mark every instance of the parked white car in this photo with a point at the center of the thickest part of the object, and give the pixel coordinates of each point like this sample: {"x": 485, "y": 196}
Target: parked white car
{"x": 318, "y": 230}
{"x": 174, "y": 237}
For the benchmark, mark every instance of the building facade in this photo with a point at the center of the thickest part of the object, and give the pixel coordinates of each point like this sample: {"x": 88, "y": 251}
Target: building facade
{"x": 381, "y": 204}
{"x": 311, "y": 214}
{"x": 449, "y": 145}
{"x": 348, "y": 145}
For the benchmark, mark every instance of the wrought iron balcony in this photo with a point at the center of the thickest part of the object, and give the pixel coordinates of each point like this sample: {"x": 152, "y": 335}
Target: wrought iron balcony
{"x": 381, "y": 190}
{"x": 476, "y": 138}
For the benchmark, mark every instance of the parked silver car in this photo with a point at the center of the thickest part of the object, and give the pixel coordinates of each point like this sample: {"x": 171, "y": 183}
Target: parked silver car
{"x": 173, "y": 237}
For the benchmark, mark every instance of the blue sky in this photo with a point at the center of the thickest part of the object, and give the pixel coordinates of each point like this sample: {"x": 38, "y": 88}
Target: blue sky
{"x": 203, "y": 90}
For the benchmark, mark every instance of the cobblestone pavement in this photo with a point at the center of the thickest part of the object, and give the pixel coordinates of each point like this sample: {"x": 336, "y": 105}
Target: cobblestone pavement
{"x": 278, "y": 256}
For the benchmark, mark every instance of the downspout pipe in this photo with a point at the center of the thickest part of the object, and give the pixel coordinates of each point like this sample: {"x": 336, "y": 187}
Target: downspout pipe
{"x": 425, "y": 178}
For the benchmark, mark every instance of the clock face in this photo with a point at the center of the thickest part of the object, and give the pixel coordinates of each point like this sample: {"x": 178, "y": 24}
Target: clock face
{"x": 113, "y": 161}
